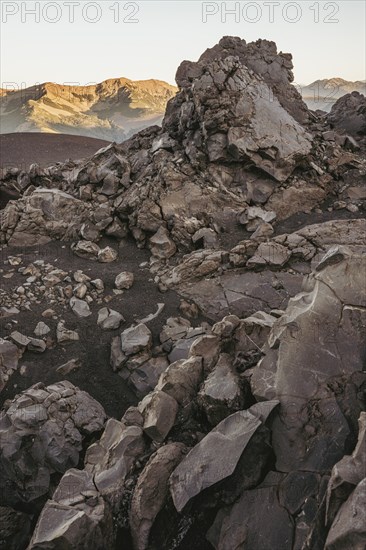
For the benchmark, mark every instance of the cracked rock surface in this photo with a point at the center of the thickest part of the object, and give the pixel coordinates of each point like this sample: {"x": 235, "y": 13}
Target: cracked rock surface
{"x": 183, "y": 320}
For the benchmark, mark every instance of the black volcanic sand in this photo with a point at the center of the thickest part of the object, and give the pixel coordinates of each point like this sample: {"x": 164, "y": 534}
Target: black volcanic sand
{"x": 93, "y": 349}
{"x": 20, "y": 150}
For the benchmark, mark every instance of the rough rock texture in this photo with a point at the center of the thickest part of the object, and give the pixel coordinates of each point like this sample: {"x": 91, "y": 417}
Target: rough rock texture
{"x": 9, "y": 357}
{"x": 182, "y": 379}
{"x": 241, "y": 135}
{"x": 257, "y": 520}
{"x": 135, "y": 339}
{"x": 46, "y": 214}
{"x": 110, "y": 459}
{"x": 76, "y": 517}
{"x": 152, "y": 491}
{"x": 159, "y": 410}
{"x": 216, "y": 456}
{"x": 262, "y": 58}
{"x": 15, "y": 529}
{"x": 251, "y": 211}
{"x": 348, "y": 114}
{"x": 348, "y": 529}
{"x": 316, "y": 347}
{"x": 41, "y": 432}
{"x": 347, "y": 473}
{"x": 221, "y": 394}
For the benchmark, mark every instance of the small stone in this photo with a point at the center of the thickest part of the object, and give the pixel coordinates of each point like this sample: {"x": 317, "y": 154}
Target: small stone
{"x": 124, "y": 280}
{"x": 136, "y": 339}
{"x": 68, "y": 367}
{"x": 80, "y": 277}
{"x": 19, "y": 339}
{"x": 107, "y": 255}
{"x": 86, "y": 249}
{"x": 14, "y": 260}
{"x": 98, "y": 284}
{"x": 37, "y": 345}
{"x": 108, "y": 319}
{"x": 80, "y": 290}
{"x": 48, "y": 313}
{"x": 65, "y": 335}
{"x": 79, "y": 307}
{"x": 161, "y": 245}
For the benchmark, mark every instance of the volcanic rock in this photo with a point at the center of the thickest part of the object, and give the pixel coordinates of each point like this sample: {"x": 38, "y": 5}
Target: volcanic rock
{"x": 53, "y": 420}
{"x": 217, "y": 455}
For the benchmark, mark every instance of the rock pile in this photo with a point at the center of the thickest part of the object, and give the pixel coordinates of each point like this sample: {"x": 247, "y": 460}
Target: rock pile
{"x": 248, "y": 424}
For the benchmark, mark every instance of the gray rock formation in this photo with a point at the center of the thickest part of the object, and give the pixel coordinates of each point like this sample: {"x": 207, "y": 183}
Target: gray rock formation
{"x": 76, "y": 517}
{"x": 317, "y": 344}
{"x": 262, "y": 58}
{"x": 136, "y": 339}
{"x": 9, "y": 357}
{"x": 348, "y": 114}
{"x": 257, "y": 520}
{"x": 221, "y": 394}
{"x": 348, "y": 529}
{"x": 41, "y": 432}
{"x": 109, "y": 319}
{"x": 152, "y": 491}
{"x": 217, "y": 455}
{"x": 110, "y": 459}
{"x": 44, "y": 215}
{"x": 238, "y": 135}
{"x": 347, "y": 474}
{"x": 159, "y": 410}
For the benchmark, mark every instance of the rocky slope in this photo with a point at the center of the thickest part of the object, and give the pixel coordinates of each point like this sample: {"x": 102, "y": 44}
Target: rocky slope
{"x": 220, "y": 262}
{"x": 322, "y": 94}
{"x": 112, "y": 110}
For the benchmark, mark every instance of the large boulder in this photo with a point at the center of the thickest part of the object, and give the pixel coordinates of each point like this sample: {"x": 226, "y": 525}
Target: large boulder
{"x": 234, "y": 116}
{"x": 257, "y": 520}
{"x": 348, "y": 114}
{"x": 41, "y": 432}
{"x": 76, "y": 517}
{"x": 221, "y": 393}
{"x": 152, "y": 491}
{"x": 314, "y": 361}
{"x": 216, "y": 456}
{"x": 46, "y": 214}
{"x": 349, "y": 529}
{"x": 347, "y": 474}
{"x": 110, "y": 459}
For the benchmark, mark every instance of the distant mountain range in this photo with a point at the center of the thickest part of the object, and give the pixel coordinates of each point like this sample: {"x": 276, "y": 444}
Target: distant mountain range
{"x": 322, "y": 94}
{"x": 117, "y": 108}
{"x": 112, "y": 110}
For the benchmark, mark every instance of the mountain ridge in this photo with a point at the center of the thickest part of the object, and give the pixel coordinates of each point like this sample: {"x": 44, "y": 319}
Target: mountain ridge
{"x": 113, "y": 109}
{"x": 118, "y": 107}
{"x": 323, "y": 93}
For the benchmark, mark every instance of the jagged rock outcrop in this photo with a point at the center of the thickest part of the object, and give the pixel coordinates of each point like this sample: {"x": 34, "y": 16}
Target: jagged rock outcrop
{"x": 244, "y": 430}
{"x": 263, "y": 59}
{"x": 44, "y": 215}
{"x": 236, "y": 110}
{"x": 223, "y": 112}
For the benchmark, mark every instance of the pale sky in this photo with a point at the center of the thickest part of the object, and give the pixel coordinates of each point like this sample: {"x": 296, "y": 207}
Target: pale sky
{"x": 327, "y": 39}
